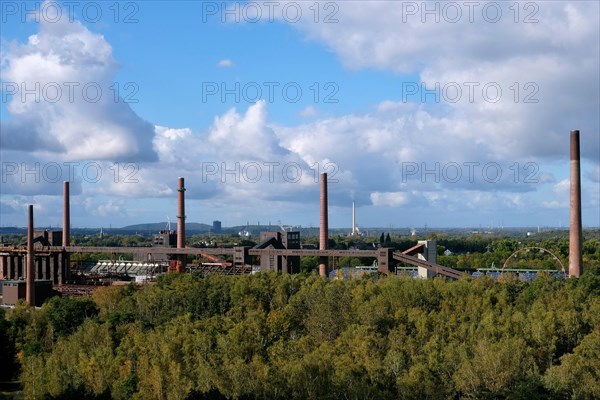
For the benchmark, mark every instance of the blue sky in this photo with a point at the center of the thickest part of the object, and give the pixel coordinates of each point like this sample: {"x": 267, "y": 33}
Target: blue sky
{"x": 426, "y": 113}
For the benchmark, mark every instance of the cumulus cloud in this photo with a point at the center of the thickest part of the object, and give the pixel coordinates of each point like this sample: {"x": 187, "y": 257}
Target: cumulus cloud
{"x": 402, "y": 144}
{"x": 523, "y": 51}
{"x": 485, "y": 154}
{"x": 390, "y": 199}
{"x": 239, "y": 156}
{"x": 11, "y": 206}
{"x": 563, "y": 187}
{"x": 111, "y": 207}
{"x": 63, "y": 104}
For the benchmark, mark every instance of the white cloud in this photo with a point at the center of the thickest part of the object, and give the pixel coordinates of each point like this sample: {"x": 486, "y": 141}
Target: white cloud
{"x": 563, "y": 187}
{"x": 63, "y": 103}
{"x": 110, "y": 208}
{"x": 308, "y": 112}
{"x": 225, "y": 63}
{"x": 236, "y": 158}
{"x": 367, "y": 153}
{"x": 527, "y": 59}
{"x": 390, "y": 199}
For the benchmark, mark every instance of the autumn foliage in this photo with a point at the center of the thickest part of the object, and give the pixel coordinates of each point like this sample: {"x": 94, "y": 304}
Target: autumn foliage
{"x": 270, "y": 336}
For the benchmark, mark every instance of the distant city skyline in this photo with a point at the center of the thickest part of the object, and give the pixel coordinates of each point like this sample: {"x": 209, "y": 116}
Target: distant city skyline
{"x": 424, "y": 113}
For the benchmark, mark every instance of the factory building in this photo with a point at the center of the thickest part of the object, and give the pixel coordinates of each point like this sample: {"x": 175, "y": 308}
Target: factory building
{"x": 279, "y": 241}
{"x": 165, "y": 238}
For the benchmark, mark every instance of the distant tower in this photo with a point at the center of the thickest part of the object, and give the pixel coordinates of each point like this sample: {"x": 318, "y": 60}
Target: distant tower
{"x": 353, "y": 219}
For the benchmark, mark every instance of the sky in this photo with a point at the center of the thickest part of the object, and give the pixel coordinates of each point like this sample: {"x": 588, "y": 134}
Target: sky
{"x": 439, "y": 114}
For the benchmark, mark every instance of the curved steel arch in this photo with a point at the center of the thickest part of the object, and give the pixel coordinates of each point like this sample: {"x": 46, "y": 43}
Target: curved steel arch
{"x": 535, "y": 248}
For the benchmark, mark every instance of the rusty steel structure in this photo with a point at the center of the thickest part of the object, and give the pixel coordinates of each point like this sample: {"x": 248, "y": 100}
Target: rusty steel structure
{"x": 243, "y": 255}
{"x": 51, "y": 263}
{"x": 575, "y": 229}
{"x": 324, "y": 226}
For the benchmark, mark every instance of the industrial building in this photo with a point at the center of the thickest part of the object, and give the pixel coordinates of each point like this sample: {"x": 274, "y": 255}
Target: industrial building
{"x": 47, "y": 256}
{"x": 279, "y": 241}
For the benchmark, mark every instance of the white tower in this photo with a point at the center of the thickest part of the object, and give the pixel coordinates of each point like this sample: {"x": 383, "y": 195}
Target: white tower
{"x": 353, "y": 219}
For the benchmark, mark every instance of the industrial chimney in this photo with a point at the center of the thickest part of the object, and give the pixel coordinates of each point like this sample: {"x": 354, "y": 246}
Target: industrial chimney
{"x": 181, "y": 224}
{"x": 30, "y": 277}
{"x": 64, "y": 268}
{"x": 66, "y": 233}
{"x": 575, "y": 231}
{"x": 324, "y": 226}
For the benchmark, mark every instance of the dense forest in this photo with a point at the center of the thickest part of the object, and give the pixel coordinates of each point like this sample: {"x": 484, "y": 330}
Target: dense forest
{"x": 269, "y": 336}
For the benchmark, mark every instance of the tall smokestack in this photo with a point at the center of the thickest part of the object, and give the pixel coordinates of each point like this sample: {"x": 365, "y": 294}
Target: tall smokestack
{"x": 66, "y": 234}
{"x": 575, "y": 232}
{"x": 353, "y": 219}
{"x": 181, "y": 223}
{"x": 64, "y": 268}
{"x": 181, "y": 214}
{"x": 324, "y": 231}
{"x": 30, "y": 277}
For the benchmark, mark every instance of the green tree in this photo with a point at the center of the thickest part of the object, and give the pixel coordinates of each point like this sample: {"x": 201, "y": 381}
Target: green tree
{"x": 8, "y": 366}
{"x": 578, "y": 374}
{"x": 494, "y": 371}
{"x": 66, "y": 314}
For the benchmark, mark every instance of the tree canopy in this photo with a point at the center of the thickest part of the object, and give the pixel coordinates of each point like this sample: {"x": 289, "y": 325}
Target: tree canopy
{"x": 269, "y": 336}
